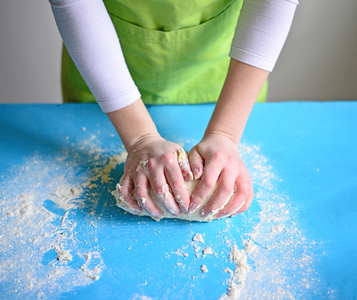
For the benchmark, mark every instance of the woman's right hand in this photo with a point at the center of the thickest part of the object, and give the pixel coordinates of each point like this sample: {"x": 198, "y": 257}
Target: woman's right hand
{"x": 154, "y": 162}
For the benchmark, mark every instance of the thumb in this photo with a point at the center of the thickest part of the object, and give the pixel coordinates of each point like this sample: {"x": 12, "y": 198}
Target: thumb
{"x": 196, "y": 163}
{"x": 184, "y": 164}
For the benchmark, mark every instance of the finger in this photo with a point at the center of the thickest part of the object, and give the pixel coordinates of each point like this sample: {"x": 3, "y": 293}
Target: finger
{"x": 221, "y": 196}
{"x": 237, "y": 200}
{"x": 178, "y": 187}
{"x": 159, "y": 184}
{"x": 207, "y": 183}
{"x": 163, "y": 194}
{"x": 127, "y": 202}
{"x": 184, "y": 164}
{"x": 250, "y": 198}
{"x": 196, "y": 163}
{"x": 143, "y": 196}
{"x": 241, "y": 198}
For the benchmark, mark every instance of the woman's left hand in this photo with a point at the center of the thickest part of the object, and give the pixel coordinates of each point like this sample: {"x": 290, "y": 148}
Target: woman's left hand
{"x": 216, "y": 159}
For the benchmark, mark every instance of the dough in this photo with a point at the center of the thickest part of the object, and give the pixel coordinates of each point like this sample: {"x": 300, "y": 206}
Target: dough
{"x": 195, "y": 216}
{"x": 190, "y": 184}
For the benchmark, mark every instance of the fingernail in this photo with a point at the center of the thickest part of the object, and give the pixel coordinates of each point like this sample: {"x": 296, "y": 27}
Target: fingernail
{"x": 185, "y": 210}
{"x": 204, "y": 214}
{"x": 190, "y": 176}
{"x": 195, "y": 202}
{"x": 196, "y": 173}
{"x": 174, "y": 211}
{"x": 181, "y": 204}
{"x": 157, "y": 216}
{"x": 221, "y": 215}
{"x": 237, "y": 210}
{"x": 192, "y": 208}
{"x": 135, "y": 211}
{"x": 208, "y": 214}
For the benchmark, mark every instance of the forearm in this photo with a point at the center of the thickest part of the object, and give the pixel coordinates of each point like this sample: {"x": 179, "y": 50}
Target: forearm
{"x": 133, "y": 123}
{"x": 90, "y": 38}
{"x": 260, "y": 35}
{"x": 241, "y": 88}
{"x": 261, "y": 31}
{"x": 152, "y": 162}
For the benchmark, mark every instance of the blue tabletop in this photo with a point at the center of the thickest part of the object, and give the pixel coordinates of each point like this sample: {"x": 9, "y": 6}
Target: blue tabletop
{"x": 61, "y": 235}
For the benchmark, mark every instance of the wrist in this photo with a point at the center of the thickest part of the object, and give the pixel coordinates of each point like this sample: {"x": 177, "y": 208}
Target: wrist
{"x": 221, "y": 134}
{"x": 140, "y": 140}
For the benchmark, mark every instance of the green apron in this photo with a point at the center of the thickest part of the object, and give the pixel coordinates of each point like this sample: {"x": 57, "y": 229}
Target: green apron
{"x": 176, "y": 50}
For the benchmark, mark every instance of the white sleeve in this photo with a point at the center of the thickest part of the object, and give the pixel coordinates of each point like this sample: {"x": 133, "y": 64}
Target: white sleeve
{"x": 261, "y": 31}
{"x": 91, "y": 40}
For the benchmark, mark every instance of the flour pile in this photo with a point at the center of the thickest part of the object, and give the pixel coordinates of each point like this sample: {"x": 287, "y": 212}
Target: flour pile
{"x": 43, "y": 251}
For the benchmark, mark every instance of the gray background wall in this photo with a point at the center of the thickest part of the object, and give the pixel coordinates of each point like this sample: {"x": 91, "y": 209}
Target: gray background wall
{"x": 318, "y": 62}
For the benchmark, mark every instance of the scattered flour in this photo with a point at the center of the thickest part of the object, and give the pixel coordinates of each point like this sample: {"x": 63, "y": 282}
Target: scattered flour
{"x": 66, "y": 196}
{"x": 204, "y": 269}
{"x": 41, "y": 246}
{"x": 207, "y": 251}
{"x": 62, "y": 254}
{"x": 141, "y": 297}
{"x": 239, "y": 257}
{"x": 273, "y": 251}
{"x": 198, "y": 238}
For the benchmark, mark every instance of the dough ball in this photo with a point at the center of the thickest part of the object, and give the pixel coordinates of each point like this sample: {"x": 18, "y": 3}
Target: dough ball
{"x": 195, "y": 216}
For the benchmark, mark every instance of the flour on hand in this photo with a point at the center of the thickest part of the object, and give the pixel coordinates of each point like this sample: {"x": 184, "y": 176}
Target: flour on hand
{"x": 194, "y": 216}
{"x": 190, "y": 185}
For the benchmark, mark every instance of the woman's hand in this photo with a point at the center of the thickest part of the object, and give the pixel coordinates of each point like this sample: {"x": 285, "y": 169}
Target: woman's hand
{"x": 216, "y": 159}
{"x": 154, "y": 162}
{"x": 151, "y": 162}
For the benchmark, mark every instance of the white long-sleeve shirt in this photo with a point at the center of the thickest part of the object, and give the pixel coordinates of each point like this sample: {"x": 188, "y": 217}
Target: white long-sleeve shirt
{"x": 91, "y": 40}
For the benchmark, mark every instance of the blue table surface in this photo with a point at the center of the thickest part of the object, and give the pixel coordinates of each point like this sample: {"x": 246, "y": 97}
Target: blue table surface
{"x": 302, "y": 157}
